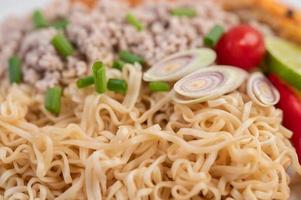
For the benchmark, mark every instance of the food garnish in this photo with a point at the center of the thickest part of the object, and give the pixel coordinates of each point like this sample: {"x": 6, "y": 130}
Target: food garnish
{"x": 213, "y": 36}
{"x": 242, "y": 46}
{"x": 99, "y": 74}
{"x": 134, "y": 21}
{"x": 117, "y": 85}
{"x": 129, "y": 57}
{"x": 208, "y": 83}
{"x": 183, "y": 12}
{"x": 118, "y": 64}
{"x": 14, "y": 69}
{"x": 261, "y": 91}
{"x": 180, "y": 64}
{"x": 62, "y": 45}
{"x": 290, "y": 104}
{"x": 39, "y": 20}
{"x": 158, "y": 86}
{"x": 284, "y": 59}
{"x": 85, "y": 82}
{"x": 53, "y": 100}
{"x": 61, "y": 23}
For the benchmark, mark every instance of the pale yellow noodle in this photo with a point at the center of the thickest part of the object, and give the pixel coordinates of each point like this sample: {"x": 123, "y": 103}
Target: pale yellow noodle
{"x": 141, "y": 146}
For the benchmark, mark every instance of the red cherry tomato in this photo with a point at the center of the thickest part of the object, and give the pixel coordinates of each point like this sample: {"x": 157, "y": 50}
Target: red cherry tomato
{"x": 241, "y": 46}
{"x": 290, "y": 104}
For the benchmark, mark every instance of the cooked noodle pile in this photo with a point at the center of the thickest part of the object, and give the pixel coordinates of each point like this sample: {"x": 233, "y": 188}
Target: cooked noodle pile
{"x": 141, "y": 146}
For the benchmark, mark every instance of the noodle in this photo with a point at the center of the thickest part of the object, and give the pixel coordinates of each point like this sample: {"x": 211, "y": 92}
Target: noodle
{"x": 142, "y": 146}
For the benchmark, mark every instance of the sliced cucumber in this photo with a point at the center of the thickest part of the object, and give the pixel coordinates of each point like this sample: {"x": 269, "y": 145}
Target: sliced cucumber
{"x": 284, "y": 59}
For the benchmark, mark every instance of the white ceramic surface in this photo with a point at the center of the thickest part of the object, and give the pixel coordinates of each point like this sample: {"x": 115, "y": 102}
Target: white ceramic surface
{"x": 19, "y": 7}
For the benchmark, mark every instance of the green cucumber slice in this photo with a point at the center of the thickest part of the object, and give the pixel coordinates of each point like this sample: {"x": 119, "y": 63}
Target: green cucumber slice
{"x": 284, "y": 59}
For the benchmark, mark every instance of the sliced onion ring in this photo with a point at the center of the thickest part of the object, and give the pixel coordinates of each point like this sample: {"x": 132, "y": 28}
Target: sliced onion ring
{"x": 208, "y": 83}
{"x": 261, "y": 90}
{"x": 180, "y": 64}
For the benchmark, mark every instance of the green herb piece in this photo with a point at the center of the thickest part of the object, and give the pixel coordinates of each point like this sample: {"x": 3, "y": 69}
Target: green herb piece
{"x": 14, "y": 69}
{"x": 99, "y": 74}
{"x": 117, "y": 85}
{"x": 53, "y": 100}
{"x": 85, "y": 82}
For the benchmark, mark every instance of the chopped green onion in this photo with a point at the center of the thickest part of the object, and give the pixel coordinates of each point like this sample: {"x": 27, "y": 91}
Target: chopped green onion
{"x": 213, "y": 36}
{"x": 53, "y": 100}
{"x": 39, "y": 20}
{"x": 130, "y": 58}
{"x": 60, "y": 24}
{"x": 117, "y": 85}
{"x": 62, "y": 45}
{"x": 85, "y": 82}
{"x": 158, "y": 86}
{"x": 131, "y": 19}
{"x": 14, "y": 69}
{"x": 118, "y": 64}
{"x": 184, "y": 12}
{"x": 99, "y": 73}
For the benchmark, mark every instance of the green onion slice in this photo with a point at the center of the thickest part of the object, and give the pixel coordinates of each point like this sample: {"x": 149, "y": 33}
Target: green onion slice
{"x": 261, "y": 90}
{"x": 134, "y": 21}
{"x": 180, "y": 64}
{"x": 128, "y": 57}
{"x": 62, "y": 45}
{"x": 53, "y": 100}
{"x": 99, "y": 74}
{"x": 213, "y": 36}
{"x": 159, "y": 86}
{"x": 117, "y": 85}
{"x": 118, "y": 64}
{"x": 208, "y": 83}
{"x": 39, "y": 20}
{"x": 60, "y": 24}
{"x": 184, "y": 12}
{"x": 85, "y": 82}
{"x": 14, "y": 69}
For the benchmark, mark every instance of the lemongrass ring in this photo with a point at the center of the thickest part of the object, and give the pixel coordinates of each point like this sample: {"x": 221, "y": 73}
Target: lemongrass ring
{"x": 211, "y": 82}
{"x": 186, "y": 100}
{"x": 180, "y": 64}
{"x": 261, "y": 90}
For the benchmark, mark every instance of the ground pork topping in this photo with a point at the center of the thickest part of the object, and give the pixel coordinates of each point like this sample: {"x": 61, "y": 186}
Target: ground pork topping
{"x": 101, "y": 33}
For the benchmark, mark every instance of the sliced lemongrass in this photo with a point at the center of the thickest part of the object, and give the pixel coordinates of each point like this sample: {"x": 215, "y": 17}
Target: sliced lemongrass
{"x": 208, "y": 83}
{"x": 261, "y": 90}
{"x": 180, "y": 64}
{"x": 185, "y": 100}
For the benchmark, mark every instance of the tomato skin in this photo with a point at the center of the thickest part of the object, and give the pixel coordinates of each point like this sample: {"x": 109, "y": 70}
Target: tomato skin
{"x": 241, "y": 46}
{"x": 290, "y": 104}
